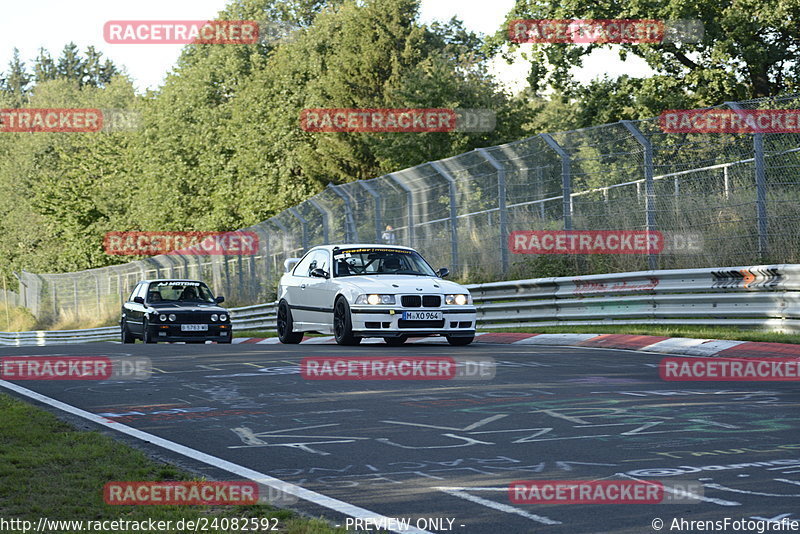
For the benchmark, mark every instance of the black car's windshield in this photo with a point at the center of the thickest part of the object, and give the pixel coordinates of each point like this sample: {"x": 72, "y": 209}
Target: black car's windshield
{"x": 179, "y": 292}
{"x": 377, "y": 261}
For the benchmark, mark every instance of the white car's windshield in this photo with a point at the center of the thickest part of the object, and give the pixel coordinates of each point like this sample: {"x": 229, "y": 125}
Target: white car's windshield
{"x": 378, "y": 261}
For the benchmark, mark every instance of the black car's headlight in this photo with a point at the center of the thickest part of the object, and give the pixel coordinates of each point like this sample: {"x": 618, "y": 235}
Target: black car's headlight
{"x": 458, "y": 300}
{"x": 172, "y": 317}
{"x": 214, "y": 317}
{"x": 162, "y": 318}
{"x": 375, "y": 299}
{"x": 223, "y": 317}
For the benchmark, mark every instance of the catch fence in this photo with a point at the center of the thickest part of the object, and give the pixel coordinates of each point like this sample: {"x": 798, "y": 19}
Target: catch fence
{"x": 718, "y": 199}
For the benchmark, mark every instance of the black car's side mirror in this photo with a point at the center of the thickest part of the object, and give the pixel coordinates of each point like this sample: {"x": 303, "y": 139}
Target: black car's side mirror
{"x": 319, "y": 273}
{"x": 138, "y": 300}
{"x": 443, "y": 272}
{"x": 220, "y": 299}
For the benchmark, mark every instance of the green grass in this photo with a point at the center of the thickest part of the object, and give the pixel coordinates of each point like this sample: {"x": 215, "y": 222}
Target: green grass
{"x": 49, "y": 469}
{"x": 704, "y": 332}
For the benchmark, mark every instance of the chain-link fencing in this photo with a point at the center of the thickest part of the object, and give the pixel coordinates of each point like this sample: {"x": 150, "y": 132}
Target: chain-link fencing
{"x": 719, "y": 199}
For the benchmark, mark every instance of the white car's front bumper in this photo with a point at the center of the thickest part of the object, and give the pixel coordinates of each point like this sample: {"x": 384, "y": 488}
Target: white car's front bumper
{"x": 387, "y": 321}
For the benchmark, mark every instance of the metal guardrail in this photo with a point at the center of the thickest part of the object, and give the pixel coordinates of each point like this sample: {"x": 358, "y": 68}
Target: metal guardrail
{"x": 765, "y": 296}
{"x": 258, "y": 317}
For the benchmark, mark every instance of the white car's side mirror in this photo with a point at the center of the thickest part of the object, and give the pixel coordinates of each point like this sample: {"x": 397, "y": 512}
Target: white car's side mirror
{"x": 289, "y": 264}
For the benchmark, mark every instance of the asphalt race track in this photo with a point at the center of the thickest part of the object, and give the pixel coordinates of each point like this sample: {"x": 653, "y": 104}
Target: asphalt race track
{"x": 449, "y": 449}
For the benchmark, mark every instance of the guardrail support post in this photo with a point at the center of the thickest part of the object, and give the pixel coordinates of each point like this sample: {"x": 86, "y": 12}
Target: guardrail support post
{"x": 304, "y": 225}
{"x": 350, "y": 231}
{"x": 649, "y": 189}
{"x": 410, "y": 207}
{"x": 566, "y": 178}
{"x": 761, "y": 186}
{"x": 501, "y": 204}
{"x": 325, "y": 221}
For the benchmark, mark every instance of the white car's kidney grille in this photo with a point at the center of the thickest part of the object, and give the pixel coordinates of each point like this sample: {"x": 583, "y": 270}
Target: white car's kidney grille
{"x": 416, "y": 301}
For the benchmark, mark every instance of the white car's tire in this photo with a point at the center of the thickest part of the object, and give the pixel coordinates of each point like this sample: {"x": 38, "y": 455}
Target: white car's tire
{"x": 395, "y": 341}
{"x": 343, "y": 324}
{"x": 285, "y": 325}
{"x": 457, "y": 341}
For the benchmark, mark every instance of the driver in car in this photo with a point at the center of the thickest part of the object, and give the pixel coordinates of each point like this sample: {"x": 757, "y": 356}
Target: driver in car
{"x": 391, "y": 265}
{"x": 188, "y": 294}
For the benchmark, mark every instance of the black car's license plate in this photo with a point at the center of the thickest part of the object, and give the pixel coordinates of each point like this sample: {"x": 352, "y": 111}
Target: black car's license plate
{"x": 194, "y": 328}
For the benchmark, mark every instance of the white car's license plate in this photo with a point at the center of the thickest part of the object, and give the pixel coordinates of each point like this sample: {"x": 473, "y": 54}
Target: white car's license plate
{"x": 422, "y": 315}
{"x": 194, "y": 328}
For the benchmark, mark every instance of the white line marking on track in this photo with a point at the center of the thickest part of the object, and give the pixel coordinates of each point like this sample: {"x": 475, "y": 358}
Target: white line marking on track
{"x": 292, "y": 489}
{"x": 462, "y": 493}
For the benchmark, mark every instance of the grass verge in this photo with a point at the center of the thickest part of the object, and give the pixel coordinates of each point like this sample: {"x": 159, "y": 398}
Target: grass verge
{"x": 704, "y": 332}
{"x": 49, "y": 469}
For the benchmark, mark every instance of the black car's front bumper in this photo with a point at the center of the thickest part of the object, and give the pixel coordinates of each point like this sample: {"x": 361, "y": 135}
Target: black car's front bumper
{"x": 173, "y": 332}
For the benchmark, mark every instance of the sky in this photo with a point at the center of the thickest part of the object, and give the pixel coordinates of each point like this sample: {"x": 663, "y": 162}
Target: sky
{"x": 32, "y": 24}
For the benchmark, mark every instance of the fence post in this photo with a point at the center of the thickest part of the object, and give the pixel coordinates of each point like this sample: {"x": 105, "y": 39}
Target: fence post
{"x": 284, "y": 229}
{"x": 350, "y": 231}
{"x": 540, "y": 191}
{"x": 325, "y": 221}
{"x": 378, "y": 208}
{"x": 304, "y": 226}
{"x": 566, "y": 179}
{"x": 501, "y": 204}
{"x": 761, "y": 186}
{"x": 649, "y": 189}
{"x": 409, "y": 205}
{"x": 451, "y": 184}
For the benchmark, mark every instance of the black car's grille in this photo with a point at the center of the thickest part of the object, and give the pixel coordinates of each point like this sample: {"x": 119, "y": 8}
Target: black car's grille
{"x": 411, "y": 301}
{"x": 191, "y": 318}
{"x": 420, "y": 324}
{"x": 431, "y": 301}
{"x": 415, "y": 301}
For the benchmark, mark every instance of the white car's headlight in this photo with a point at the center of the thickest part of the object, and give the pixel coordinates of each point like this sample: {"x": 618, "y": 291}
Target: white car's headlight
{"x": 459, "y": 300}
{"x": 375, "y": 299}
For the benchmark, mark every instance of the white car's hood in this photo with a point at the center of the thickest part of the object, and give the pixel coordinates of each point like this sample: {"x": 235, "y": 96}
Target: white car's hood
{"x": 394, "y": 284}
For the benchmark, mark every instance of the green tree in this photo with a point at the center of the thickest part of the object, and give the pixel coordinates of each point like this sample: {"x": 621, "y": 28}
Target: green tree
{"x": 15, "y": 83}
{"x": 44, "y": 68}
{"x": 70, "y": 64}
{"x": 748, "y": 50}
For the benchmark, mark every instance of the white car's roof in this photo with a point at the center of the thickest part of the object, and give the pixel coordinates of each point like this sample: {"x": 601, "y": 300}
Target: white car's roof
{"x": 362, "y": 245}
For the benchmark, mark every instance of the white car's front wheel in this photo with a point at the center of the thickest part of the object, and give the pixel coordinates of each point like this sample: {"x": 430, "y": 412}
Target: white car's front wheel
{"x": 343, "y": 324}
{"x": 285, "y": 325}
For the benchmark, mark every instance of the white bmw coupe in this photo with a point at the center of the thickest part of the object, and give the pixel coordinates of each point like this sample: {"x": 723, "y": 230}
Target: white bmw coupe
{"x": 358, "y": 291}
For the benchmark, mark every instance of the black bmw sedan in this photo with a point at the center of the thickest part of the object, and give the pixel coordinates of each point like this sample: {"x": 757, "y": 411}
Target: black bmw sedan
{"x": 174, "y": 310}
